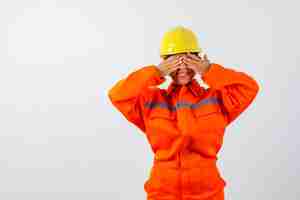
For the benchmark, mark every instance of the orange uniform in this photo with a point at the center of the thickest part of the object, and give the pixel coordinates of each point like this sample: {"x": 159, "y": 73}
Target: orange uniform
{"x": 185, "y": 127}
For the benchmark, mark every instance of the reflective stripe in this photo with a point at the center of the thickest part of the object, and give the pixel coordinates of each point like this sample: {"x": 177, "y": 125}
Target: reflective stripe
{"x": 181, "y": 104}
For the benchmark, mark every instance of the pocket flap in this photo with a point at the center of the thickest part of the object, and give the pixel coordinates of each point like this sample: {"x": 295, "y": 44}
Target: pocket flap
{"x": 162, "y": 113}
{"x": 207, "y": 110}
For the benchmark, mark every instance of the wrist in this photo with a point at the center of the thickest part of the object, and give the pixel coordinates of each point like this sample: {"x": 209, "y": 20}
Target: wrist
{"x": 206, "y": 68}
{"x": 159, "y": 71}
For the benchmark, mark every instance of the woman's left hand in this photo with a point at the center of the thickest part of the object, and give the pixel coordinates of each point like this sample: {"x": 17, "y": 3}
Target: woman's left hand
{"x": 196, "y": 63}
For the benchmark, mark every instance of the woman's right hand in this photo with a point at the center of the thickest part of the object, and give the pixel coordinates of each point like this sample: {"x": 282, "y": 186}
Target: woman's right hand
{"x": 170, "y": 65}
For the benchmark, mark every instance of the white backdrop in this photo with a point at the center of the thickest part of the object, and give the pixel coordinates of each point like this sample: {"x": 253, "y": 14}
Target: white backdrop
{"x": 60, "y": 138}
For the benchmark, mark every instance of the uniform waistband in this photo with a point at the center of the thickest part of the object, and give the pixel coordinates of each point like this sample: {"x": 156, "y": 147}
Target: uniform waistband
{"x": 186, "y": 160}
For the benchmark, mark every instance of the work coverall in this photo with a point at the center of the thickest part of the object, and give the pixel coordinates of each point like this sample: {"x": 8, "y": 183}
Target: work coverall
{"x": 184, "y": 126}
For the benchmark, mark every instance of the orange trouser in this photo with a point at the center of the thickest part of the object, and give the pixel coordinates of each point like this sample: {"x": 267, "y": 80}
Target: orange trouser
{"x": 218, "y": 196}
{"x": 194, "y": 178}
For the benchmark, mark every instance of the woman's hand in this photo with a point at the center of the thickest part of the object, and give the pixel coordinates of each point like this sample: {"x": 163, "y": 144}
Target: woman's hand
{"x": 198, "y": 64}
{"x": 170, "y": 65}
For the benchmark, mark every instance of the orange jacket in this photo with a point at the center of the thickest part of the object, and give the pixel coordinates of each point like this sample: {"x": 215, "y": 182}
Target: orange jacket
{"x": 184, "y": 124}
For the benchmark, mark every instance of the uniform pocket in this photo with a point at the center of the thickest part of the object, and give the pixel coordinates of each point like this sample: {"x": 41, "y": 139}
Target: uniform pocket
{"x": 210, "y": 117}
{"x": 203, "y": 179}
{"x": 162, "y": 114}
{"x": 207, "y": 111}
{"x": 162, "y": 181}
{"x": 162, "y": 121}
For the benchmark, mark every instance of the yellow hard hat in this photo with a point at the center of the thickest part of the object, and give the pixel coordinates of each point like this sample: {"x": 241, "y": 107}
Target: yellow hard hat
{"x": 179, "y": 40}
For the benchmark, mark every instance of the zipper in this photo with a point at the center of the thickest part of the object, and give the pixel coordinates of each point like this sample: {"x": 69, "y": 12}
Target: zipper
{"x": 180, "y": 175}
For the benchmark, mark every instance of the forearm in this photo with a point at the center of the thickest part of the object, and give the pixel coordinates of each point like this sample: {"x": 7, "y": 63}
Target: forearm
{"x": 236, "y": 89}
{"x": 126, "y": 94}
{"x": 132, "y": 85}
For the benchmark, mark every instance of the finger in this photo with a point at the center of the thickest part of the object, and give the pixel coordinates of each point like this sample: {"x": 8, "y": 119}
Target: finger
{"x": 178, "y": 66}
{"x": 173, "y": 67}
{"x": 173, "y": 70}
{"x": 192, "y": 64}
{"x": 192, "y": 56}
{"x": 206, "y": 60}
{"x": 172, "y": 57}
{"x": 190, "y": 61}
{"x": 175, "y": 63}
{"x": 170, "y": 63}
{"x": 172, "y": 60}
{"x": 192, "y": 67}
{"x": 189, "y": 55}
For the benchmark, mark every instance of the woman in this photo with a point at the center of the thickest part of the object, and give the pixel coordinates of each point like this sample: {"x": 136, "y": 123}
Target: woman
{"x": 185, "y": 123}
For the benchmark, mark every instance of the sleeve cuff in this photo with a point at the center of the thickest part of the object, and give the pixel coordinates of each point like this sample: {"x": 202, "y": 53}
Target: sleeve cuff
{"x": 155, "y": 74}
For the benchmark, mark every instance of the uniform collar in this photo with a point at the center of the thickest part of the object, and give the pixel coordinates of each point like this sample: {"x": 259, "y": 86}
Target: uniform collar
{"x": 193, "y": 85}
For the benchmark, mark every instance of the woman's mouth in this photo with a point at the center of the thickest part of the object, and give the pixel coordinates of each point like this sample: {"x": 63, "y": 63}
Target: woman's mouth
{"x": 183, "y": 74}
